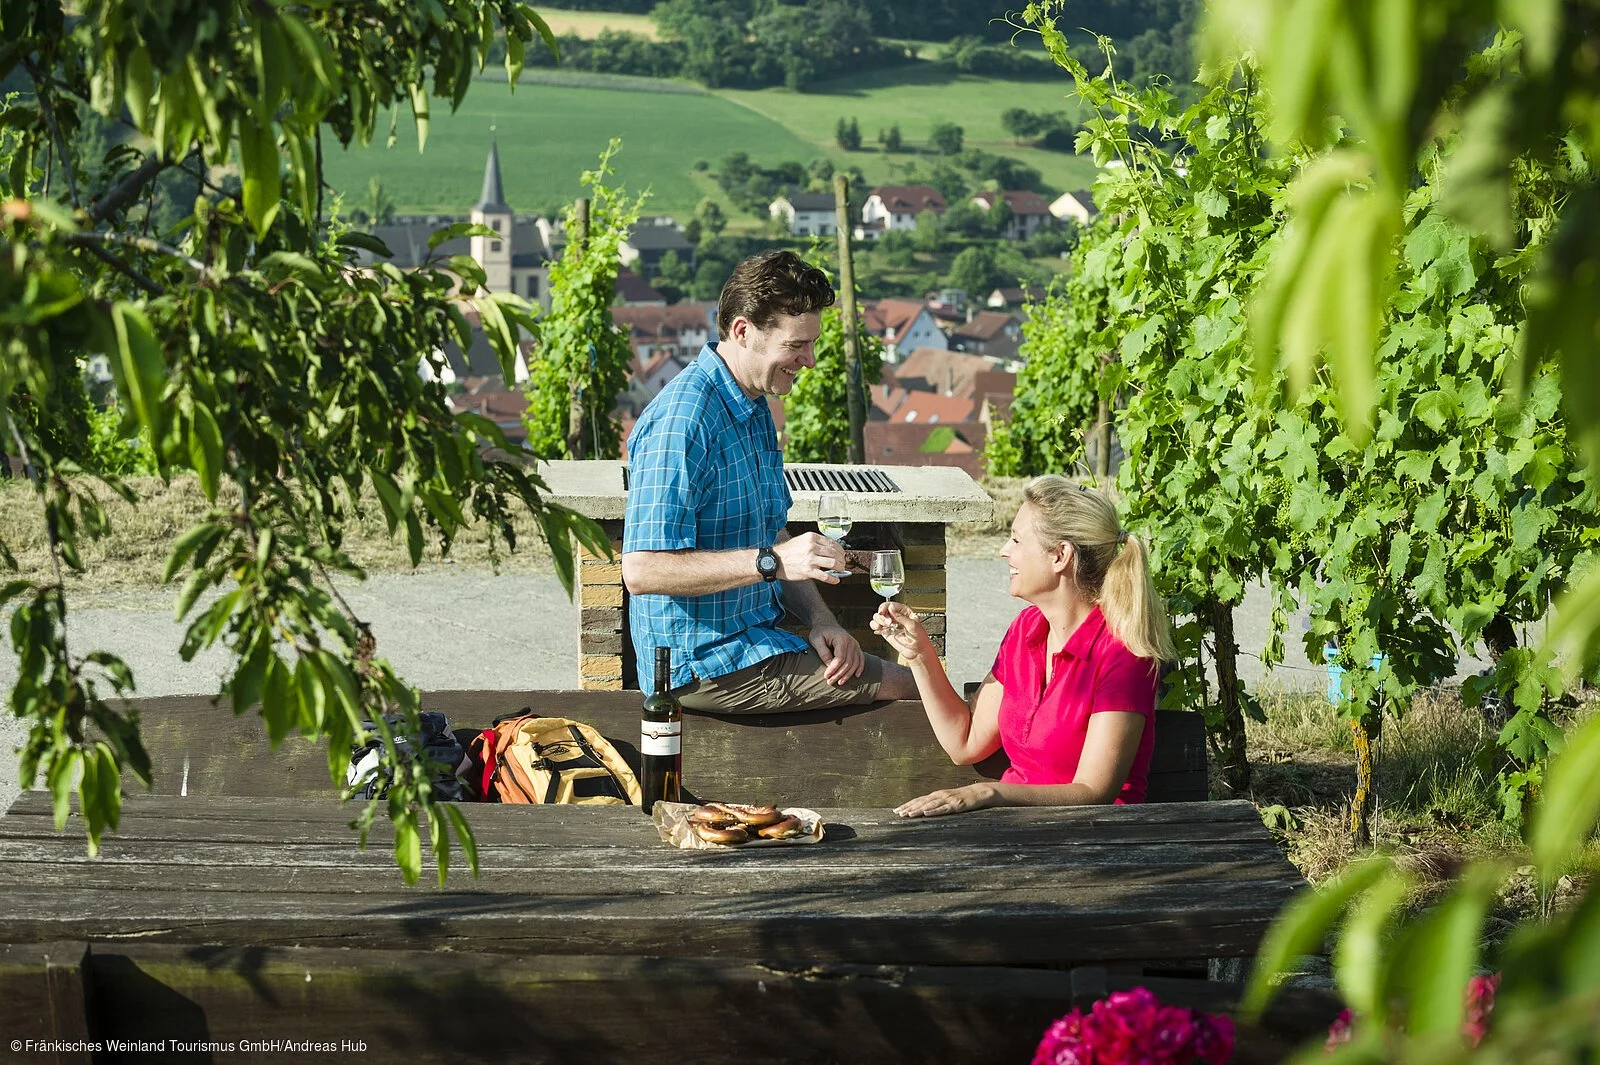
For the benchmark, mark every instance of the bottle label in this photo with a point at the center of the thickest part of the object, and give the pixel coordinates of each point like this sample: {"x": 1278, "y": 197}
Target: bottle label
{"x": 661, "y": 737}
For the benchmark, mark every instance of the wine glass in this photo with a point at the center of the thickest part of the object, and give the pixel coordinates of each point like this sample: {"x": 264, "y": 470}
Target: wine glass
{"x": 887, "y": 575}
{"x": 833, "y": 521}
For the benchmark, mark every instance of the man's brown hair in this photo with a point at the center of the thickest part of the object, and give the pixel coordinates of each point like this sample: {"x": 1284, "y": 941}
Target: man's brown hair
{"x": 769, "y": 284}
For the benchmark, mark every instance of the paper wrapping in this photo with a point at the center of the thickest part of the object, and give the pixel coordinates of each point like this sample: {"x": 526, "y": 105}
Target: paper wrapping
{"x": 672, "y": 823}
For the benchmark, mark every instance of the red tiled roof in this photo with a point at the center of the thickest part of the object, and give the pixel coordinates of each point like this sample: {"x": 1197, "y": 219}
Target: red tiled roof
{"x": 893, "y": 443}
{"x": 910, "y": 198}
{"x": 937, "y": 370}
{"x": 932, "y": 408}
{"x": 651, "y": 321}
{"x": 885, "y": 398}
{"x": 882, "y": 315}
{"x": 1021, "y": 201}
{"x": 631, "y": 288}
{"x": 985, "y": 325}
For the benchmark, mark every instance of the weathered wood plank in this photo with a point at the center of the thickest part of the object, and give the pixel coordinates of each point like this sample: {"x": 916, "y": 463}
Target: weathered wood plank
{"x": 847, "y": 829}
{"x": 570, "y": 879}
{"x": 42, "y": 1000}
{"x": 433, "y": 1008}
{"x": 993, "y": 926}
{"x": 264, "y": 809}
{"x": 851, "y": 756}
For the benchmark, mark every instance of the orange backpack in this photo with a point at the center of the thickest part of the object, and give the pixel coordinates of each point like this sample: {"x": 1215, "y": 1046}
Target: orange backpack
{"x": 527, "y": 758}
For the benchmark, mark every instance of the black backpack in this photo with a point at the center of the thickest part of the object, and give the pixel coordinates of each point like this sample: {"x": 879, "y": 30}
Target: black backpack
{"x": 439, "y": 745}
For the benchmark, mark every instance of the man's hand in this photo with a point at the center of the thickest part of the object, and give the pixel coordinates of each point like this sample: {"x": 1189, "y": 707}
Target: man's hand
{"x": 950, "y": 801}
{"x": 809, "y": 557}
{"x": 840, "y": 653}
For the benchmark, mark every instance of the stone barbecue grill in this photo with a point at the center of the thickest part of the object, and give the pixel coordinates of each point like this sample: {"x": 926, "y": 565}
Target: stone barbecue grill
{"x": 904, "y": 507}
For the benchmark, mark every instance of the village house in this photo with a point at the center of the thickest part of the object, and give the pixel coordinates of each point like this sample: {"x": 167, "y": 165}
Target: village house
{"x": 1005, "y": 298}
{"x": 807, "y": 214}
{"x": 634, "y": 291}
{"x": 649, "y": 242}
{"x": 679, "y": 330}
{"x": 949, "y": 373}
{"x": 897, "y": 206}
{"x": 1030, "y": 212}
{"x": 992, "y": 333}
{"x": 921, "y": 444}
{"x": 1074, "y": 206}
{"x": 902, "y": 325}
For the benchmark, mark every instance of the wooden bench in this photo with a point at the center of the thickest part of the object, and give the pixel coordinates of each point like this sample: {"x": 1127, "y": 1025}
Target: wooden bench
{"x": 861, "y": 756}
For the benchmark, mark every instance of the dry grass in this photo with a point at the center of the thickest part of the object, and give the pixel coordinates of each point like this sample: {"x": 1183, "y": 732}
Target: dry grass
{"x": 132, "y": 555}
{"x": 983, "y": 539}
{"x": 1437, "y": 805}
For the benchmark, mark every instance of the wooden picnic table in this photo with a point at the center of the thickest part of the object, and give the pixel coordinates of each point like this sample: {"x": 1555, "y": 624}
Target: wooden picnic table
{"x": 236, "y": 905}
{"x": 232, "y": 918}
{"x": 1002, "y": 887}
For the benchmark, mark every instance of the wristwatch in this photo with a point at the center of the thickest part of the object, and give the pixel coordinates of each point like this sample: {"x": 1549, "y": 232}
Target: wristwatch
{"x": 767, "y": 564}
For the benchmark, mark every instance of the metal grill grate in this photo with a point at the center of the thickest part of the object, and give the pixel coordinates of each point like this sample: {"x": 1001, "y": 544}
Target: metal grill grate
{"x": 835, "y": 479}
{"x": 815, "y": 479}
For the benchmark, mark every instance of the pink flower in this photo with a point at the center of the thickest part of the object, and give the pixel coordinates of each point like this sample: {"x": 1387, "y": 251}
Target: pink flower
{"x": 1342, "y": 1030}
{"x": 1134, "y": 1028}
{"x": 1213, "y": 1038}
{"x": 1479, "y": 994}
{"x": 1480, "y": 1003}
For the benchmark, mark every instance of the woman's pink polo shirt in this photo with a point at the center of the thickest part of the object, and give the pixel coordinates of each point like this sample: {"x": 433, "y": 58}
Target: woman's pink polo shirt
{"x": 1042, "y": 728}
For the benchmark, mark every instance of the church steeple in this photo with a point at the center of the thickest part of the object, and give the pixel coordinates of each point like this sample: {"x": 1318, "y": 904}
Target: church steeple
{"x": 493, "y": 200}
{"x": 493, "y": 251}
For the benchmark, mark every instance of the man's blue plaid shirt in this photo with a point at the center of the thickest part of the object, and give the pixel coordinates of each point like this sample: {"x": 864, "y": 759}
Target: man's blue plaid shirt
{"x": 705, "y": 474}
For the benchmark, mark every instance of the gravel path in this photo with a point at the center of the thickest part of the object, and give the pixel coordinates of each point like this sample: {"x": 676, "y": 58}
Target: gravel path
{"x": 476, "y": 630}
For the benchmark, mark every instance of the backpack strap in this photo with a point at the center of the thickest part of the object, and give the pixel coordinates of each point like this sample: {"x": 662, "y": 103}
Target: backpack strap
{"x": 588, "y": 749}
{"x": 488, "y": 737}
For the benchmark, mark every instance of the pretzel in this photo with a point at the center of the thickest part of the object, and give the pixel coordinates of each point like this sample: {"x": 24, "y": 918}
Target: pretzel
{"x": 725, "y": 836}
{"x": 788, "y": 828}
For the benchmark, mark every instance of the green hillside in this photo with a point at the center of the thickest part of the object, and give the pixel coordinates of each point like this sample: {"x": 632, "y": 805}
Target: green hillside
{"x": 549, "y": 133}
{"x": 918, "y": 97}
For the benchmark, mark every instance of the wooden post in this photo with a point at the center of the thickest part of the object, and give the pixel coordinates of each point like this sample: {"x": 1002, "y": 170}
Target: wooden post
{"x": 575, "y": 415}
{"x": 1235, "y": 756}
{"x": 855, "y": 394}
{"x": 1364, "y": 804}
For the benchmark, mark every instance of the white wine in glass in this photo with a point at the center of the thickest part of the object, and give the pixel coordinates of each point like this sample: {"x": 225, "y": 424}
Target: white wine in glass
{"x": 888, "y": 575}
{"x": 833, "y": 521}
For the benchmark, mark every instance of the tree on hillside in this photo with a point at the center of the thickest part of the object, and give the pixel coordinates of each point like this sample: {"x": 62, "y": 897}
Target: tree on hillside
{"x": 974, "y": 271}
{"x": 946, "y": 138}
{"x": 672, "y": 277}
{"x": 1022, "y": 124}
{"x": 848, "y": 135}
{"x": 711, "y": 219}
{"x": 250, "y": 349}
{"x": 891, "y": 139}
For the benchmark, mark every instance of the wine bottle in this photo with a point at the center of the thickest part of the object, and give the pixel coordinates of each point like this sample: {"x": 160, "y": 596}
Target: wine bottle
{"x": 661, "y": 739}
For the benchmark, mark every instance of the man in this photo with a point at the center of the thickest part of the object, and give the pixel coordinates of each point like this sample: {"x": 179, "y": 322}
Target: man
{"x": 704, "y": 552}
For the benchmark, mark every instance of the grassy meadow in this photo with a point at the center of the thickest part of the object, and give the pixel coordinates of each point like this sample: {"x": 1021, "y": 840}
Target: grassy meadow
{"x": 919, "y": 97}
{"x": 556, "y": 123}
{"x": 548, "y": 135}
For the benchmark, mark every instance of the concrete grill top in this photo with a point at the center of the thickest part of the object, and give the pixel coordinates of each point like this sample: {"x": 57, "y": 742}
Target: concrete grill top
{"x": 943, "y": 494}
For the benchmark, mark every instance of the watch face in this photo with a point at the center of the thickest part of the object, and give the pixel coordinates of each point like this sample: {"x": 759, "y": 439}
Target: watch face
{"x": 767, "y": 563}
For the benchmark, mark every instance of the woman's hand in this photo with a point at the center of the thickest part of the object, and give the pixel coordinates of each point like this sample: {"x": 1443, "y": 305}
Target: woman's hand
{"x": 950, "y": 801}
{"x": 901, "y": 629}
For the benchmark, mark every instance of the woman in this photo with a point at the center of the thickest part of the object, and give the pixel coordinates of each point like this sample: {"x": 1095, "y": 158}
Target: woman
{"x": 1072, "y": 694}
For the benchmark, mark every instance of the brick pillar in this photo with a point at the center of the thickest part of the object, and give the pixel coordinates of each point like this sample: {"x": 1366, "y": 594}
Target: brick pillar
{"x": 602, "y": 629}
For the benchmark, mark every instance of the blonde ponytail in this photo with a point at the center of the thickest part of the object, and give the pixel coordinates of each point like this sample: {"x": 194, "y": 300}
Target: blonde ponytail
{"x": 1111, "y": 565}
